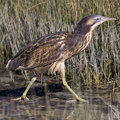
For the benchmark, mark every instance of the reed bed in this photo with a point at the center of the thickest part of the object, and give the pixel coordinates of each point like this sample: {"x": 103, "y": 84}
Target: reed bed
{"x": 23, "y": 21}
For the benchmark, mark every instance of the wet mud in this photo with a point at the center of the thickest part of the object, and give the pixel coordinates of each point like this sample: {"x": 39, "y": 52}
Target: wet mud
{"x": 53, "y": 102}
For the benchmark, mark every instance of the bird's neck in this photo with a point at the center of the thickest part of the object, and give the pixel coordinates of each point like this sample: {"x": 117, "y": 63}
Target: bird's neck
{"x": 81, "y": 32}
{"x": 80, "y": 41}
{"x": 82, "y": 29}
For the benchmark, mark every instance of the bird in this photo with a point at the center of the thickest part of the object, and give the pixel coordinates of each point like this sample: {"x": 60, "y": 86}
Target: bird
{"x": 50, "y": 52}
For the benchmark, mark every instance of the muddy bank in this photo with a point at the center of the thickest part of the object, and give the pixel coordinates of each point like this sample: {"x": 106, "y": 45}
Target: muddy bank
{"x": 104, "y": 103}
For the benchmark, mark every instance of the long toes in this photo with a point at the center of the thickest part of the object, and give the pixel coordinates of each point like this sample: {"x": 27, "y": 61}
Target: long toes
{"x": 71, "y": 101}
{"x": 81, "y": 100}
{"x": 21, "y": 98}
{"x": 25, "y": 98}
{"x": 16, "y": 99}
{"x": 78, "y": 100}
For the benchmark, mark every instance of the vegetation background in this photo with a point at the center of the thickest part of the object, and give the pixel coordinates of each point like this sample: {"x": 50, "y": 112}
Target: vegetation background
{"x": 22, "y": 21}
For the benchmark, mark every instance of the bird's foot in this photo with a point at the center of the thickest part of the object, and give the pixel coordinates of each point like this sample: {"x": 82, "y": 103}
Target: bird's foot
{"x": 77, "y": 100}
{"x": 71, "y": 101}
{"x": 81, "y": 100}
{"x": 25, "y": 98}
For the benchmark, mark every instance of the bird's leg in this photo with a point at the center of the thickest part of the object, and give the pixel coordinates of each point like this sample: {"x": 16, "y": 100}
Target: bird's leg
{"x": 24, "y": 97}
{"x": 26, "y": 75}
{"x": 74, "y": 94}
{"x": 62, "y": 72}
{"x": 11, "y": 76}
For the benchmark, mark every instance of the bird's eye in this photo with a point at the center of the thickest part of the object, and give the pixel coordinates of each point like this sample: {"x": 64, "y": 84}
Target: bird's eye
{"x": 97, "y": 18}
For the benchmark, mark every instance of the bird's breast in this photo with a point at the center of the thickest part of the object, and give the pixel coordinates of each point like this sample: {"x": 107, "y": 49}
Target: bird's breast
{"x": 87, "y": 40}
{"x": 81, "y": 44}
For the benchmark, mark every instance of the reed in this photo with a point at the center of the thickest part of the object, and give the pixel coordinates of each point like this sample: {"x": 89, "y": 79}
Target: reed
{"x": 23, "y": 21}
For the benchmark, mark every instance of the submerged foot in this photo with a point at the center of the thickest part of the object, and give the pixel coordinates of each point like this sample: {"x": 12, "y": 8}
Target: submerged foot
{"x": 81, "y": 100}
{"x": 77, "y": 100}
{"x": 25, "y": 98}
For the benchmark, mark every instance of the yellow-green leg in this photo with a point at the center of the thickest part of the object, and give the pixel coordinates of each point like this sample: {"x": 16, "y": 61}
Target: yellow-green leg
{"x": 71, "y": 91}
{"x": 62, "y": 72}
{"x": 26, "y": 75}
{"x": 24, "y": 97}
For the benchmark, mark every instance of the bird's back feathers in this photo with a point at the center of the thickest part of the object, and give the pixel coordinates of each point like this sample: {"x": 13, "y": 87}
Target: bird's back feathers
{"x": 40, "y": 53}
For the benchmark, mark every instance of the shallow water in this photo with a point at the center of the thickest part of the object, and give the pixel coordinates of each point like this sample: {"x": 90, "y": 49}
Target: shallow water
{"x": 56, "y": 104}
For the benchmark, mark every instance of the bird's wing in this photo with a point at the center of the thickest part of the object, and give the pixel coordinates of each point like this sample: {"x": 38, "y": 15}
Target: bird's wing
{"x": 40, "y": 53}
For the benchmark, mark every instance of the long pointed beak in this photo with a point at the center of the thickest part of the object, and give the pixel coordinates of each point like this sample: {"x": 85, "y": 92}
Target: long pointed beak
{"x": 108, "y": 19}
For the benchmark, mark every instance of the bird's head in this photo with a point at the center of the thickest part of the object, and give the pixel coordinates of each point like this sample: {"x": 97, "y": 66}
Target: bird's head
{"x": 91, "y": 22}
{"x": 94, "y": 20}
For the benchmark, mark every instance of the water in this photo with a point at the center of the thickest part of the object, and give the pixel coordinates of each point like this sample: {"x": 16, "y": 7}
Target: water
{"x": 104, "y": 103}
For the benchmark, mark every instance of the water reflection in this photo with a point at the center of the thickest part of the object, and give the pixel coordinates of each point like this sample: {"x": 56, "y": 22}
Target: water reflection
{"x": 54, "y": 105}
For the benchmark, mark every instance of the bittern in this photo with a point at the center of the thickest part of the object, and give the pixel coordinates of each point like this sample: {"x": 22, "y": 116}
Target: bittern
{"x": 49, "y": 53}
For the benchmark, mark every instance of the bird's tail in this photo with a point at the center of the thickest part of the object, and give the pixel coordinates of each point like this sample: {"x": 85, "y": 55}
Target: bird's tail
{"x": 11, "y": 65}
{"x": 8, "y": 65}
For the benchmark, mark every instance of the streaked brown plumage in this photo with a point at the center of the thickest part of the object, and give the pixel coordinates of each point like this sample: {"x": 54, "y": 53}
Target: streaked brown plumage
{"x": 50, "y": 52}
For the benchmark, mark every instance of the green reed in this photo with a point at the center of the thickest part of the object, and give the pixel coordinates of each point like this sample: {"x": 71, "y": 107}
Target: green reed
{"x": 24, "y": 21}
